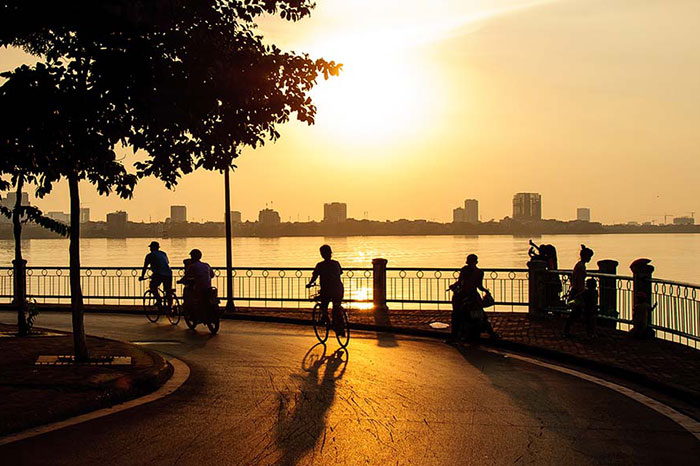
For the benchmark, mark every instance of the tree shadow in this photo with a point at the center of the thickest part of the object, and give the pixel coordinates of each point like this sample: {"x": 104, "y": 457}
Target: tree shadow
{"x": 302, "y": 410}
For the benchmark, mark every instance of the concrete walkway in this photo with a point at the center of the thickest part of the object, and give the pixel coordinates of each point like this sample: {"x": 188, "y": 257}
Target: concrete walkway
{"x": 265, "y": 393}
{"x": 671, "y": 368}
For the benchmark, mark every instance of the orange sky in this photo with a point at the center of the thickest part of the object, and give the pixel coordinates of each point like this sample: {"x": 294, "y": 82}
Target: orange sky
{"x": 592, "y": 103}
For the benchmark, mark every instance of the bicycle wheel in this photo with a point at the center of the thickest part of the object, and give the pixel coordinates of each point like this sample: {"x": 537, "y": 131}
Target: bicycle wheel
{"x": 320, "y": 322}
{"x": 342, "y": 330}
{"x": 150, "y": 306}
{"x": 174, "y": 314}
{"x": 213, "y": 326}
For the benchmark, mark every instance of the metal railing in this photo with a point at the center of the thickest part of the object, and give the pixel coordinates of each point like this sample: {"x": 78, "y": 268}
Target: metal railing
{"x": 676, "y": 316}
{"x": 279, "y": 287}
{"x": 428, "y": 288}
{"x": 677, "y": 313}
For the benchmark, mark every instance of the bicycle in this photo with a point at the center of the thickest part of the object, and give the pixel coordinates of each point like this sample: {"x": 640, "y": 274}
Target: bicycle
{"x": 322, "y": 323}
{"x": 153, "y": 305}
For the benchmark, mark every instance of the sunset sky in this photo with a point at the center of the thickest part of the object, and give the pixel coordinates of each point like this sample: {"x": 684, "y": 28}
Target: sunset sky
{"x": 592, "y": 103}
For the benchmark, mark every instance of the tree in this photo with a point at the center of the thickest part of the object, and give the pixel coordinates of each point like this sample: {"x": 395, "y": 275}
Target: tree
{"x": 20, "y": 143}
{"x": 188, "y": 82}
{"x": 69, "y": 131}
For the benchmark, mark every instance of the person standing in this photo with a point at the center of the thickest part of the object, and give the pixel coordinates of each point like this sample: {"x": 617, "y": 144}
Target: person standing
{"x": 161, "y": 273}
{"x": 469, "y": 283}
{"x": 578, "y": 287}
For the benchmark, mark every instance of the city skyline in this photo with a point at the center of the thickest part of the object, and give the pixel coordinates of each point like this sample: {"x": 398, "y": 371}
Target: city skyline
{"x": 471, "y": 123}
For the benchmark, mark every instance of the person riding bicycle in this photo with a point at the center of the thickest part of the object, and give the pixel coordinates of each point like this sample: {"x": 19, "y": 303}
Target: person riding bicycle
{"x": 157, "y": 260}
{"x": 332, "y": 289}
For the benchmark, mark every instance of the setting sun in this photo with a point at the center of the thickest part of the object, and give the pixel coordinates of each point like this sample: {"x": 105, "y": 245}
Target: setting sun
{"x": 380, "y": 95}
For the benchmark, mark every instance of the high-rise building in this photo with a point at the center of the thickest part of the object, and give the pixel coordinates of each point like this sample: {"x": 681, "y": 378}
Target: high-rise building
{"x": 116, "y": 224}
{"x": 583, "y": 214}
{"x": 84, "y": 214}
{"x": 471, "y": 211}
{"x": 269, "y": 217}
{"x": 178, "y": 214}
{"x": 335, "y": 212}
{"x": 236, "y": 217}
{"x": 458, "y": 215}
{"x": 527, "y": 206}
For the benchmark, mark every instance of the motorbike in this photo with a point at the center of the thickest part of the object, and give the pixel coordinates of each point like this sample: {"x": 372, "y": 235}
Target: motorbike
{"x": 201, "y": 307}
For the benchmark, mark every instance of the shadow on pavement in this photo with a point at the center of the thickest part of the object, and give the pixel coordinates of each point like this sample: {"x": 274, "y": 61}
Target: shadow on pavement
{"x": 585, "y": 419}
{"x": 385, "y": 339}
{"x": 301, "y": 418}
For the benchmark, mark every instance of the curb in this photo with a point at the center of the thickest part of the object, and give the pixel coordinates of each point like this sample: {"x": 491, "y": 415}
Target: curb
{"x": 681, "y": 393}
{"x": 117, "y": 391}
{"x": 171, "y": 385}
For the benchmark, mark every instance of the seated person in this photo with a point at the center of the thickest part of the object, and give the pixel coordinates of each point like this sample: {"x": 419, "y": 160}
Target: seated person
{"x": 197, "y": 280}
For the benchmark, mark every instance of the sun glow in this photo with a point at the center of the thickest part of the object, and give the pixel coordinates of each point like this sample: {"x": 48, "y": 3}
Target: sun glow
{"x": 381, "y": 94}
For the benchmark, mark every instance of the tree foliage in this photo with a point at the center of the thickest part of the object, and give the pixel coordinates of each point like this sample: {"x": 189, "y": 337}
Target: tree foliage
{"x": 194, "y": 81}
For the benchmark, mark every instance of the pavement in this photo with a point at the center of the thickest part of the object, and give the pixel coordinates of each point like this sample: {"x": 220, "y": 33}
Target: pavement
{"x": 32, "y": 395}
{"x": 666, "y": 367}
{"x": 267, "y": 393}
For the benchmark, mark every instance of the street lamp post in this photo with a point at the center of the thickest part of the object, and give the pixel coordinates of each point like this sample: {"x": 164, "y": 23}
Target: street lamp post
{"x": 230, "y": 306}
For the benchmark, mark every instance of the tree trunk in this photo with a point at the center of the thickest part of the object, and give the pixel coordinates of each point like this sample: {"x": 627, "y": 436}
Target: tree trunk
{"x": 19, "y": 269}
{"x": 76, "y": 294}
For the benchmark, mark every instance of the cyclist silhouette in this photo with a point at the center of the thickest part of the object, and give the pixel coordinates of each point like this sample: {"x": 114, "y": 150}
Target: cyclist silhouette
{"x": 157, "y": 260}
{"x": 332, "y": 289}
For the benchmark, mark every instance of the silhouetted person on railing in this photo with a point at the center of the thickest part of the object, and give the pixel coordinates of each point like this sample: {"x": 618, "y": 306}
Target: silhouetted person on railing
{"x": 332, "y": 289}
{"x": 578, "y": 287}
{"x": 157, "y": 261}
{"x": 470, "y": 318}
{"x": 548, "y": 254}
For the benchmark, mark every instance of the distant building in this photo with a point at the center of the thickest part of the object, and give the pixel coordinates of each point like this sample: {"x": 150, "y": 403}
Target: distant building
{"x": 269, "y": 217}
{"x": 59, "y": 217}
{"x": 11, "y": 198}
{"x": 335, "y": 212}
{"x": 116, "y": 224}
{"x": 583, "y": 214}
{"x": 471, "y": 211}
{"x": 458, "y": 215}
{"x": 236, "y": 217}
{"x": 527, "y": 206}
{"x": 178, "y": 214}
{"x": 84, "y": 214}
{"x": 684, "y": 221}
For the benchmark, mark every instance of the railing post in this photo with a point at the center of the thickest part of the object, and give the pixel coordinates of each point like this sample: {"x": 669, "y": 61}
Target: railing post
{"x": 537, "y": 271}
{"x": 642, "y": 272}
{"x": 379, "y": 284}
{"x": 608, "y": 293}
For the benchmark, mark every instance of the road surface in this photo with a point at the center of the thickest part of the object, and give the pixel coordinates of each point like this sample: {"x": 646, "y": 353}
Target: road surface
{"x": 263, "y": 393}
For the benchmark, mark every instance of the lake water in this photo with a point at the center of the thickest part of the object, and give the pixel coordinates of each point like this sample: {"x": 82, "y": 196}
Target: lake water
{"x": 675, "y": 256}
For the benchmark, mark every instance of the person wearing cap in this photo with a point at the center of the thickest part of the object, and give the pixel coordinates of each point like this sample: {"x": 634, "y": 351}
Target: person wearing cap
{"x": 157, "y": 261}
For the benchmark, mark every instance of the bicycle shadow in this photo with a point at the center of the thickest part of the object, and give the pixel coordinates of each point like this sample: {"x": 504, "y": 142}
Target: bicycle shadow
{"x": 301, "y": 416}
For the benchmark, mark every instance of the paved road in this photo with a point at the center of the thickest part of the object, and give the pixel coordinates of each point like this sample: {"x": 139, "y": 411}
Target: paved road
{"x": 266, "y": 394}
